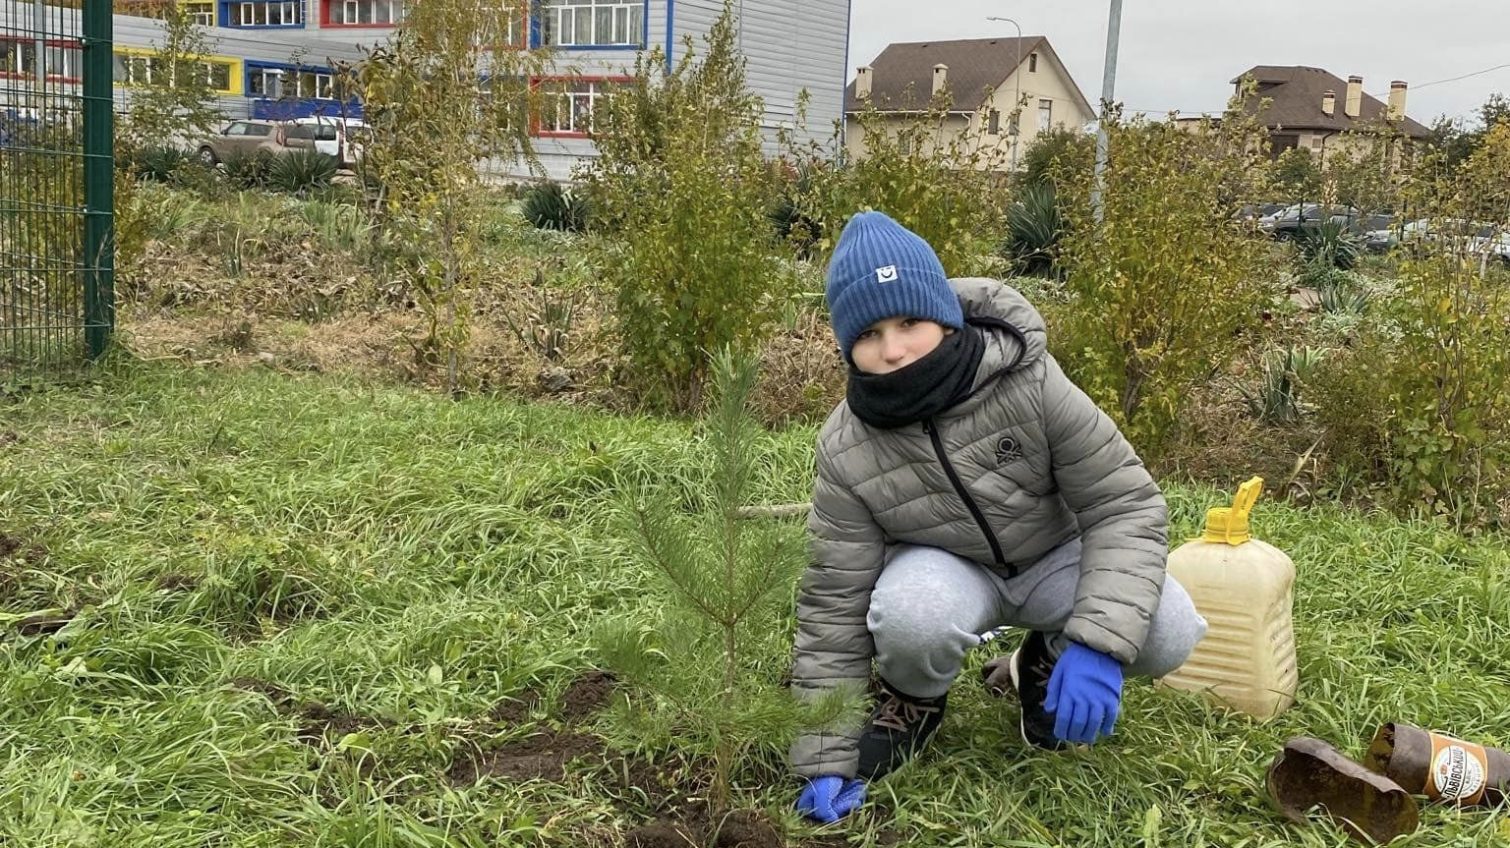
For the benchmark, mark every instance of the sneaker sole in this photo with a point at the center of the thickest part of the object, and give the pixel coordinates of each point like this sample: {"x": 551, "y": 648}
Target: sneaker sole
{"x": 1022, "y": 716}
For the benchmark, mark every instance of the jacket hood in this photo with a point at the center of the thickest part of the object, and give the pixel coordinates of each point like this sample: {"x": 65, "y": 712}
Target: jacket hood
{"x": 1016, "y": 336}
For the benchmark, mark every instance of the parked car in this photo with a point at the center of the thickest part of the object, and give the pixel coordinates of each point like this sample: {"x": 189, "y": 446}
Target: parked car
{"x": 1491, "y": 242}
{"x": 1257, "y": 211}
{"x": 251, "y": 136}
{"x": 1267, "y": 222}
{"x": 1360, "y": 225}
{"x": 1383, "y": 239}
{"x": 1473, "y": 238}
{"x": 338, "y": 137}
{"x": 237, "y": 137}
{"x": 1290, "y": 221}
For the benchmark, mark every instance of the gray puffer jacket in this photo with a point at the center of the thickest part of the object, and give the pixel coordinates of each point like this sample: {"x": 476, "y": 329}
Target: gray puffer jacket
{"x": 1024, "y": 464}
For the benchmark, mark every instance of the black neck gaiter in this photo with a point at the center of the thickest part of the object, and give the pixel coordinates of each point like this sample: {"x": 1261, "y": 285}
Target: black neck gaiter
{"x": 922, "y": 389}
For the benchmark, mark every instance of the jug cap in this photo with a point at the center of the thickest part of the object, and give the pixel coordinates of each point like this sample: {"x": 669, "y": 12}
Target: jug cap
{"x": 1230, "y": 524}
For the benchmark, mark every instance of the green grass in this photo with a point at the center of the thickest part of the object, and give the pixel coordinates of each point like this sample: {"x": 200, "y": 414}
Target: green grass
{"x": 412, "y": 561}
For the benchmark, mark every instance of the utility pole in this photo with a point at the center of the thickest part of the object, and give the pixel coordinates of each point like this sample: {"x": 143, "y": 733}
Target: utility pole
{"x": 1012, "y": 122}
{"x": 1108, "y": 94}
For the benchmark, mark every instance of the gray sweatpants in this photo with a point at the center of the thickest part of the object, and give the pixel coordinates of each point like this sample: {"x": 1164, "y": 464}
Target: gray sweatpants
{"x": 929, "y": 607}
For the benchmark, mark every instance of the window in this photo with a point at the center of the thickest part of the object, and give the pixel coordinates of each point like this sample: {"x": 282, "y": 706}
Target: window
{"x": 264, "y": 82}
{"x": 140, "y": 69}
{"x": 218, "y": 74}
{"x": 131, "y": 69}
{"x": 202, "y": 13}
{"x": 366, "y": 12}
{"x": 18, "y": 58}
{"x": 1045, "y": 114}
{"x": 571, "y": 109}
{"x": 64, "y": 62}
{"x": 516, "y": 24}
{"x": 509, "y": 29}
{"x": 1032, "y": 63}
{"x": 10, "y": 58}
{"x": 278, "y": 82}
{"x": 322, "y": 131}
{"x": 576, "y": 23}
{"x": 993, "y": 122}
{"x": 272, "y": 14}
{"x": 261, "y": 130}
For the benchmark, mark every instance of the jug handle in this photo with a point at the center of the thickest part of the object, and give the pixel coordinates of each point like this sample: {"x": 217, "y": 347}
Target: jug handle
{"x": 1247, "y": 496}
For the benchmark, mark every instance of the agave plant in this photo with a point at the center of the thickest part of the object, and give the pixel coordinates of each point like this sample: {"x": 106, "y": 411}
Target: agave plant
{"x": 1329, "y": 244}
{"x": 1277, "y": 398}
{"x": 248, "y": 170}
{"x": 550, "y": 206}
{"x": 1034, "y": 227}
{"x": 160, "y": 163}
{"x": 302, "y": 171}
{"x": 1344, "y": 300}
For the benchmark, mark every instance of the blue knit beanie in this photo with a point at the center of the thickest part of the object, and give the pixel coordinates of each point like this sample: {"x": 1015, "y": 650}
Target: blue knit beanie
{"x": 881, "y": 269}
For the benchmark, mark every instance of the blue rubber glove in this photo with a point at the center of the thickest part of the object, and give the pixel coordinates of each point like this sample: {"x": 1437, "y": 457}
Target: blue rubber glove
{"x": 830, "y": 798}
{"x": 1085, "y": 694}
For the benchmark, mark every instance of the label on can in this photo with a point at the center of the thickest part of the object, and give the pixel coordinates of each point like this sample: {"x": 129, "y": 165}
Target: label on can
{"x": 1458, "y": 771}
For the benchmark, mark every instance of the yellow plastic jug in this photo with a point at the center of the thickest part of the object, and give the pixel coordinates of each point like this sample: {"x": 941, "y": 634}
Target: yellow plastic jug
{"x": 1244, "y": 588}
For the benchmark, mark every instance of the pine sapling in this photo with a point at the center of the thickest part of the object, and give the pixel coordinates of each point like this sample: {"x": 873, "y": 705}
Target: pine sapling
{"x": 724, "y": 577}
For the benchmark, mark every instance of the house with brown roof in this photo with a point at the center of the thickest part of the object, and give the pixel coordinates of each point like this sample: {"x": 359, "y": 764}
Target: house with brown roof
{"x": 1311, "y": 109}
{"x": 1003, "y": 90}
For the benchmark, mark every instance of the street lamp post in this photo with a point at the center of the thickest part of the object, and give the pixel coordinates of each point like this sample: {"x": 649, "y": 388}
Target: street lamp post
{"x": 1013, "y": 123}
{"x": 1108, "y": 87}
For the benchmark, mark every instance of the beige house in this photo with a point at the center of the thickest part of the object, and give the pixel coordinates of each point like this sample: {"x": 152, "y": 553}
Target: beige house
{"x": 1002, "y": 92}
{"x": 1311, "y": 109}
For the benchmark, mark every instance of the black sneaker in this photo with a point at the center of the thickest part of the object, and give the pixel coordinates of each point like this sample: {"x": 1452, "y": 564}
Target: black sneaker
{"x": 899, "y": 727}
{"x": 1030, "y": 667}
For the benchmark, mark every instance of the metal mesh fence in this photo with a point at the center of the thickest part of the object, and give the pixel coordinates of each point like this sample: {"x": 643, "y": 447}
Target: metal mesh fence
{"x": 56, "y": 171}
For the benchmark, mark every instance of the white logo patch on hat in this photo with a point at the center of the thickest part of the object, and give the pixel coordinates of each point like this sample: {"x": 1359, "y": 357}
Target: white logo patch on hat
{"x": 888, "y": 274}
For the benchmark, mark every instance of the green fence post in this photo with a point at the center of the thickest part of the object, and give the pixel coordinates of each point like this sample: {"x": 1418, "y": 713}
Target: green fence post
{"x": 99, "y": 178}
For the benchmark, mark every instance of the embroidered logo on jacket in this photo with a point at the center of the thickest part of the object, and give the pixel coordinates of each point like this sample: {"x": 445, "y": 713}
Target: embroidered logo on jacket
{"x": 1008, "y": 450}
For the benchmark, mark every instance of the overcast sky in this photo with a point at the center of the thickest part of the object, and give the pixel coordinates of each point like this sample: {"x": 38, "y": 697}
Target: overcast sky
{"x": 1182, "y": 54}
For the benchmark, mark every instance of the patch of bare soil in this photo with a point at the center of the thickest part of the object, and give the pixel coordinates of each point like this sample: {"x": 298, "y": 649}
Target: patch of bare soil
{"x": 540, "y": 757}
{"x": 586, "y": 695}
{"x": 513, "y": 711}
{"x": 319, "y": 723}
{"x": 174, "y": 582}
{"x": 738, "y": 829}
{"x": 14, "y": 547}
{"x": 44, "y": 623}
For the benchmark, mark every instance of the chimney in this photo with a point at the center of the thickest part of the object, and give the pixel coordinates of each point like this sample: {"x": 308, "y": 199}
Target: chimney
{"x": 1397, "y": 100}
{"x": 1354, "y": 106}
{"x": 1329, "y": 103}
{"x": 862, "y": 83}
{"x": 940, "y": 78}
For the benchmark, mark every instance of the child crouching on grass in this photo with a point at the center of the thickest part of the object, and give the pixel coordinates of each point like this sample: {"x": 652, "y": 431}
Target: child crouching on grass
{"x": 966, "y": 484}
